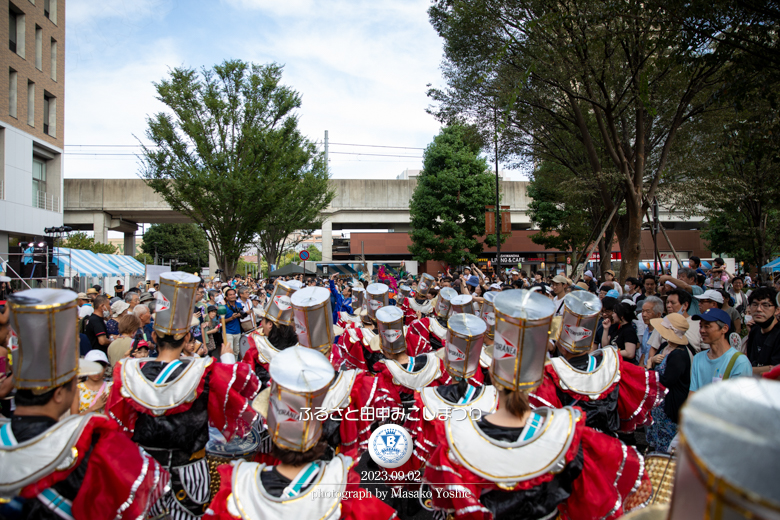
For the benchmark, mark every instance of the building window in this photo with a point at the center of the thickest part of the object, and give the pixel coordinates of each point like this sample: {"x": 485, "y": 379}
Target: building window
{"x": 54, "y": 59}
{"x": 16, "y": 29}
{"x": 39, "y": 183}
{"x": 38, "y": 48}
{"x": 49, "y": 114}
{"x": 31, "y": 103}
{"x": 12, "y": 93}
{"x": 50, "y": 10}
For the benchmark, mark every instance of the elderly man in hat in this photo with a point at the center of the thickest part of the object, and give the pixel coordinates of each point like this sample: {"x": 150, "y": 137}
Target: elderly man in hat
{"x": 80, "y": 467}
{"x": 167, "y": 403}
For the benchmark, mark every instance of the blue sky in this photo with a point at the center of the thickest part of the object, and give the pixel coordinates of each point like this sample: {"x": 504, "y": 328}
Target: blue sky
{"x": 361, "y": 66}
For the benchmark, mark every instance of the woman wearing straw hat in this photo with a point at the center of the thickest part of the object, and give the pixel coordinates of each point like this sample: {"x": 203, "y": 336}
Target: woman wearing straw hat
{"x": 675, "y": 374}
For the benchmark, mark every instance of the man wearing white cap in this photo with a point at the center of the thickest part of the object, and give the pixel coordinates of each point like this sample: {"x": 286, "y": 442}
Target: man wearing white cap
{"x": 588, "y": 277}
{"x": 559, "y": 284}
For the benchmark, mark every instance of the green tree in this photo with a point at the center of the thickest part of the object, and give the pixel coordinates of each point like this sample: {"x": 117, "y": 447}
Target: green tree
{"x": 184, "y": 243}
{"x": 619, "y": 78}
{"x": 228, "y": 153}
{"x": 80, "y": 240}
{"x": 447, "y": 208}
{"x": 144, "y": 258}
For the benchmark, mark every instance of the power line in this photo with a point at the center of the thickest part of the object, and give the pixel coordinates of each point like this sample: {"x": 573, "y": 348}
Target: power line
{"x": 104, "y": 154}
{"x": 316, "y": 142}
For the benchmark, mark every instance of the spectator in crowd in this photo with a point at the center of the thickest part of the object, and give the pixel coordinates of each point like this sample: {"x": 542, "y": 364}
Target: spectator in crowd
{"x": 619, "y": 332}
{"x": 132, "y": 298}
{"x": 141, "y": 311}
{"x": 712, "y": 299}
{"x": 94, "y": 389}
{"x": 609, "y": 279}
{"x": 736, "y": 317}
{"x": 763, "y": 341}
{"x": 92, "y": 293}
{"x": 687, "y": 281}
{"x": 633, "y": 289}
{"x": 674, "y": 372}
{"x": 118, "y": 309}
{"x": 95, "y": 327}
{"x": 679, "y": 301}
{"x": 232, "y": 317}
{"x": 652, "y": 308}
{"x": 128, "y": 326}
{"x": 247, "y": 323}
{"x": 119, "y": 289}
{"x": 720, "y": 277}
{"x": 649, "y": 285}
{"x": 721, "y": 361}
{"x": 588, "y": 277}
{"x": 82, "y": 299}
{"x": 98, "y": 290}
{"x": 740, "y": 298}
{"x": 212, "y": 331}
{"x": 559, "y": 284}
{"x": 694, "y": 263}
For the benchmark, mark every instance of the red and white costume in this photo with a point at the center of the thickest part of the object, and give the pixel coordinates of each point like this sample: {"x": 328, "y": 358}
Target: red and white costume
{"x": 638, "y": 390}
{"x": 85, "y": 453}
{"x": 586, "y": 474}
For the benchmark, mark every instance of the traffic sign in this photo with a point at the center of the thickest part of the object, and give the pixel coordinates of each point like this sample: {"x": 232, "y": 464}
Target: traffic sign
{"x": 304, "y": 255}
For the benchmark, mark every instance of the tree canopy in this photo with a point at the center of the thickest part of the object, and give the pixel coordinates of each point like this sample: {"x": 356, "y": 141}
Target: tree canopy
{"x": 80, "y": 240}
{"x": 183, "y": 243}
{"x": 615, "y": 79}
{"x": 448, "y": 205}
{"x": 228, "y": 153}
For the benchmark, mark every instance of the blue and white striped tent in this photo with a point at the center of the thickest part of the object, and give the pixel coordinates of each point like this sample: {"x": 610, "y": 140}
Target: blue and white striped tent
{"x": 128, "y": 264}
{"x": 83, "y": 262}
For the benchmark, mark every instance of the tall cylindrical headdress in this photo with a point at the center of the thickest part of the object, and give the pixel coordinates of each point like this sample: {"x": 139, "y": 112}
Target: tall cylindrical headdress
{"x": 405, "y": 291}
{"x": 462, "y": 303}
{"x": 359, "y": 300}
{"x": 522, "y": 326}
{"x": 279, "y": 309}
{"x": 728, "y": 452}
{"x": 444, "y": 302}
{"x": 465, "y": 335}
{"x": 378, "y": 297}
{"x": 488, "y": 313}
{"x": 581, "y": 310}
{"x": 175, "y": 303}
{"x": 313, "y": 316}
{"x": 44, "y": 340}
{"x": 390, "y": 323}
{"x": 426, "y": 282}
{"x": 300, "y": 379}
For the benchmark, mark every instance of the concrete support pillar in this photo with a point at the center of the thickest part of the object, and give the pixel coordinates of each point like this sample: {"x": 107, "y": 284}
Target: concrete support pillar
{"x": 101, "y": 222}
{"x": 3, "y": 251}
{"x": 327, "y": 241}
{"x": 213, "y": 266}
{"x": 130, "y": 244}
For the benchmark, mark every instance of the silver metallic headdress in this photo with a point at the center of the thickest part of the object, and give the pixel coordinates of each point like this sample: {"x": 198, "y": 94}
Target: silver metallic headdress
{"x": 581, "y": 310}
{"x": 728, "y": 452}
{"x": 444, "y": 302}
{"x": 522, "y": 326}
{"x": 390, "y": 323}
{"x": 378, "y": 297}
{"x": 465, "y": 335}
{"x": 44, "y": 339}
{"x": 279, "y": 309}
{"x": 426, "y": 282}
{"x": 313, "y": 318}
{"x": 300, "y": 379}
{"x": 175, "y": 303}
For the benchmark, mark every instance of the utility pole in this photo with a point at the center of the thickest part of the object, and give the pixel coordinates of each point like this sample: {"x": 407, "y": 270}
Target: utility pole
{"x": 326, "y": 152}
{"x": 498, "y": 207}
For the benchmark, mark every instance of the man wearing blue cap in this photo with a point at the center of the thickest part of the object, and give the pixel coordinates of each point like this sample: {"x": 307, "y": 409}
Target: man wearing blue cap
{"x": 721, "y": 361}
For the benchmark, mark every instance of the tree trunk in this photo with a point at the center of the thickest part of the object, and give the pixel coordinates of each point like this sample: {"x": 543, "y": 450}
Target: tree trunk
{"x": 631, "y": 246}
{"x": 605, "y": 252}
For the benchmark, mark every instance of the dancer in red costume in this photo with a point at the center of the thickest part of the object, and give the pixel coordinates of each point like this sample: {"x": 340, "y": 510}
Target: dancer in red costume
{"x": 520, "y": 463}
{"x": 82, "y": 467}
{"x": 616, "y": 395}
{"x": 303, "y": 485}
{"x": 166, "y": 404}
{"x": 276, "y": 331}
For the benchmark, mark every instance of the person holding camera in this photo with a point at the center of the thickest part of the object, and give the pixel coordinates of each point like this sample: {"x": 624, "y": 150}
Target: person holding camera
{"x": 235, "y": 312}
